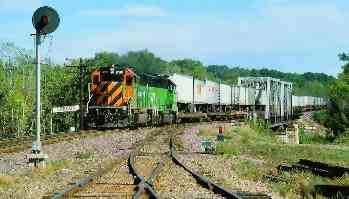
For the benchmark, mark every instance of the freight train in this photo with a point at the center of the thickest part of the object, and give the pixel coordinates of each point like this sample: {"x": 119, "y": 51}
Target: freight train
{"x": 119, "y": 97}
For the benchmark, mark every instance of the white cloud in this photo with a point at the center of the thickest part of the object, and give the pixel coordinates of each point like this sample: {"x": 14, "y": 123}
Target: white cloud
{"x": 137, "y": 10}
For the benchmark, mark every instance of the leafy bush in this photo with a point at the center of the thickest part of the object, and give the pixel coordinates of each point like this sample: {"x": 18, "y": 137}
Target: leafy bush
{"x": 313, "y": 138}
{"x": 343, "y": 139}
{"x": 322, "y": 117}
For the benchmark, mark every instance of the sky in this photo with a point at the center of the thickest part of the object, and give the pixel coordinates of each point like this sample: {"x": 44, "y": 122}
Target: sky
{"x": 287, "y": 35}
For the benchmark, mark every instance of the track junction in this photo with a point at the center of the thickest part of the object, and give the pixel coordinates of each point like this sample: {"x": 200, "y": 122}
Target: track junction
{"x": 154, "y": 170}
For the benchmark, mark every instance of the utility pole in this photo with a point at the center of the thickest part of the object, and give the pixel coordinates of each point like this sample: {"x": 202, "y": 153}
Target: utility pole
{"x": 82, "y": 72}
{"x": 82, "y": 78}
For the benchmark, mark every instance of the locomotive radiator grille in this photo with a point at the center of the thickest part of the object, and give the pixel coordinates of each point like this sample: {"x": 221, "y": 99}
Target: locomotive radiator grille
{"x": 110, "y": 93}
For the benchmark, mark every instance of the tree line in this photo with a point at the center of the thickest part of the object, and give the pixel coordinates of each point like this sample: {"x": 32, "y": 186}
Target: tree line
{"x": 60, "y": 84}
{"x": 314, "y": 84}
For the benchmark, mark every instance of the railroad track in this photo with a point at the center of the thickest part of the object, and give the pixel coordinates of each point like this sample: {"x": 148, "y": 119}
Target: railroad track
{"x": 8, "y": 146}
{"x": 114, "y": 180}
{"x": 14, "y": 145}
{"x": 153, "y": 171}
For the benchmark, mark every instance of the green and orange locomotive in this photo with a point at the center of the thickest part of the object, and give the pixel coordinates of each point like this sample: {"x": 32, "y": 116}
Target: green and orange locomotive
{"x": 119, "y": 97}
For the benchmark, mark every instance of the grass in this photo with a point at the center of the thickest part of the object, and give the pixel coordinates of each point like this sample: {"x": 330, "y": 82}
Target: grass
{"x": 313, "y": 138}
{"x": 248, "y": 169}
{"x": 258, "y": 144}
{"x": 87, "y": 155}
{"x": 50, "y": 168}
{"x": 204, "y": 132}
{"x": 34, "y": 174}
{"x": 246, "y": 141}
{"x": 343, "y": 139}
{"x": 7, "y": 181}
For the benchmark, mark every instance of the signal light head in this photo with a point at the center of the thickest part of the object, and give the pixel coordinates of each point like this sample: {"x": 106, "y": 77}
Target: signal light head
{"x": 44, "y": 19}
{"x": 43, "y": 22}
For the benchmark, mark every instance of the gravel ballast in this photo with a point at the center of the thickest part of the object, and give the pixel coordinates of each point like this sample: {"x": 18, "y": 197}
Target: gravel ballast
{"x": 71, "y": 160}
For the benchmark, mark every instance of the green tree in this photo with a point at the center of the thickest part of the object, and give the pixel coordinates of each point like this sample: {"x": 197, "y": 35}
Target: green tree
{"x": 338, "y": 108}
{"x": 189, "y": 66}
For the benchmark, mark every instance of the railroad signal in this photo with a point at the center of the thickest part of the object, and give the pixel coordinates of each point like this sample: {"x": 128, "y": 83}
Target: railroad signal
{"x": 45, "y": 21}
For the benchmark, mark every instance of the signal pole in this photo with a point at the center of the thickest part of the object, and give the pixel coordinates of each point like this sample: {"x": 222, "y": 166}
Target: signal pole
{"x": 38, "y": 101}
{"x": 45, "y": 20}
{"x": 193, "y": 107}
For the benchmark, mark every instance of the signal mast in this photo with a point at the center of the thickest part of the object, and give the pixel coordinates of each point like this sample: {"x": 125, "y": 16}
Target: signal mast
{"x": 45, "y": 21}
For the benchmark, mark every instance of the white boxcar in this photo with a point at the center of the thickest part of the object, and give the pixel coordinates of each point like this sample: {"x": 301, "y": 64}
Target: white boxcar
{"x": 295, "y": 101}
{"x": 304, "y": 101}
{"x": 309, "y": 100}
{"x": 247, "y": 96}
{"x": 200, "y": 91}
{"x": 263, "y": 100}
{"x": 301, "y": 101}
{"x": 235, "y": 93}
{"x": 212, "y": 92}
{"x": 184, "y": 87}
{"x": 225, "y": 94}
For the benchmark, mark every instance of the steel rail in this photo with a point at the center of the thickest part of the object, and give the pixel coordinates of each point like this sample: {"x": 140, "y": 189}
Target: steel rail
{"x": 139, "y": 180}
{"x": 205, "y": 182}
{"x": 201, "y": 179}
{"x": 81, "y": 183}
{"x": 78, "y": 184}
{"x": 142, "y": 184}
{"x": 154, "y": 173}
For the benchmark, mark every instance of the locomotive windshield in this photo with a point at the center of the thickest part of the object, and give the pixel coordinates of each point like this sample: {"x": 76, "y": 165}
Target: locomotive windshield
{"x": 111, "y": 74}
{"x": 157, "y": 80}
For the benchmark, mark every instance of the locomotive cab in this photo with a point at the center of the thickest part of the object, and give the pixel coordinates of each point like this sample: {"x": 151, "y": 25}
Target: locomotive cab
{"x": 110, "y": 91}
